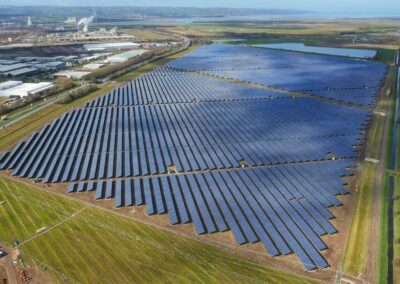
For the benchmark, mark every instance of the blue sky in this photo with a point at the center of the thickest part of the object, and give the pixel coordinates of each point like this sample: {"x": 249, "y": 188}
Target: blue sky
{"x": 314, "y": 5}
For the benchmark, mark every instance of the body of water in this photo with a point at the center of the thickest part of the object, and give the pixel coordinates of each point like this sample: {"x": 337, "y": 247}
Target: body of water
{"x": 348, "y": 52}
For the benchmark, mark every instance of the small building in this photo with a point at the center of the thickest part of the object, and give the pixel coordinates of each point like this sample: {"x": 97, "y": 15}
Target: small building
{"x": 122, "y": 57}
{"x": 71, "y": 74}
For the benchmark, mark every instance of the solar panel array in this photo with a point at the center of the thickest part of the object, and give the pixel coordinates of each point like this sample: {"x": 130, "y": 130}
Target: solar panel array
{"x": 262, "y": 164}
{"x": 348, "y": 80}
{"x": 166, "y": 86}
{"x": 284, "y": 207}
{"x": 109, "y": 142}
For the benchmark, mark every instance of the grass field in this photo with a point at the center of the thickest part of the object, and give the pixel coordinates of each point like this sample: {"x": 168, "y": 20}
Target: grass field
{"x": 386, "y": 55}
{"x": 24, "y": 211}
{"x": 383, "y": 261}
{"x": 356, "y": 253}
{"x": 396, "y": 210}
{"x": 291, "y": 27}
{"x": 382, "y": 264}
{"x": 94, "y": 246}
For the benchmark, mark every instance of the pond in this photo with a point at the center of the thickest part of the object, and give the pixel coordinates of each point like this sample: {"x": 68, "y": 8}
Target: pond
{"x": 349, "y": 52}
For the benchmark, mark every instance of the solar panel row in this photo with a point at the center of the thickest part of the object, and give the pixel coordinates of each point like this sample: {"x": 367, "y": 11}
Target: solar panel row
{"x": 284, "y": 207}
{"x": 92, "y": 143}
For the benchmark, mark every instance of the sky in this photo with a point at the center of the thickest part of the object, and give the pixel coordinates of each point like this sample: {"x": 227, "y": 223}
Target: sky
{"x": 368, "y": 6}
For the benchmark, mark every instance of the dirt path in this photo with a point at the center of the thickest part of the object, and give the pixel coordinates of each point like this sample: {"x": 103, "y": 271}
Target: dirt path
{"x": 73, "y": 215}
{"x": 7, "y": 263}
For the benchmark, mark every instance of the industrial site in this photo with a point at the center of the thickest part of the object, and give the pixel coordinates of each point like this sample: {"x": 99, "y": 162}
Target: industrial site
{"x": 142, "y": 145}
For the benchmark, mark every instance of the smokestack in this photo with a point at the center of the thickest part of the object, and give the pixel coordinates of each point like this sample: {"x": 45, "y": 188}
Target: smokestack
{"x": 85, "y": 22}
{"x": 29, "y": 23}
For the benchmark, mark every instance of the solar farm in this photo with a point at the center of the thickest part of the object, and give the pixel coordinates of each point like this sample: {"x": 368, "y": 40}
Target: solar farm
{"x": 183, "y": 140}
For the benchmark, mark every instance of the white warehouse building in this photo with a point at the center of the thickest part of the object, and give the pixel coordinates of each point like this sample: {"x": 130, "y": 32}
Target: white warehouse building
{"x": 19, "y": 89}
{"x": 118, "y": 58}
{"x": 110, "y": 46}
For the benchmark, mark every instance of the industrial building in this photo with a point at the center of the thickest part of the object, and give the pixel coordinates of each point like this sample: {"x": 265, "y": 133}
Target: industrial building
{"x": 26, "y": 71}
{"x": 7, "y": 68}
{"x": 71, "y": 74}
{"x": 93, "y": 66}
{"x": 19, "y": 89}
{"x": 95, "y": 56}
{"x": 50, "y": 66}
{"x": 7, "y": 62}
{"x": 118, "y": 58}
{"x": 111, "y": 46}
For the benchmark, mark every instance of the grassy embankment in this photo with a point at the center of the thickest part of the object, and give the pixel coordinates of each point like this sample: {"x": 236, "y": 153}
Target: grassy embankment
{"x": 88, "y": 245}
{"x": 383, "y": 261}
{"x": 356, "y": 252}
{"x": 396, "y": 248}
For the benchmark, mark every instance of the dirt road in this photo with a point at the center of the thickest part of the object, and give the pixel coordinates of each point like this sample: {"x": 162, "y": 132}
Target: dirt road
{"x": 7, "y": 263}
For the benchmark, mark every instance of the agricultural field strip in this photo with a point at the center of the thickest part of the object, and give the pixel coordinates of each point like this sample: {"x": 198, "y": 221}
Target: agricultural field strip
{"x": 354, "y": 81}
{"x": 129, "y": 138}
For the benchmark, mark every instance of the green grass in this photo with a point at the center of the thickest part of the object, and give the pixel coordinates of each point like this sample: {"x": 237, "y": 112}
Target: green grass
{"x": 95, "y": 246}
{"x": 383, "y": 242}
{"x": 382, "y": 264}
{"x": 386, "y": 55}
{"x": 24, "y": 211}
{"x": 99, "y": 247}
{"x": 356, "y": 253}
{"x": 396, "y": 248}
